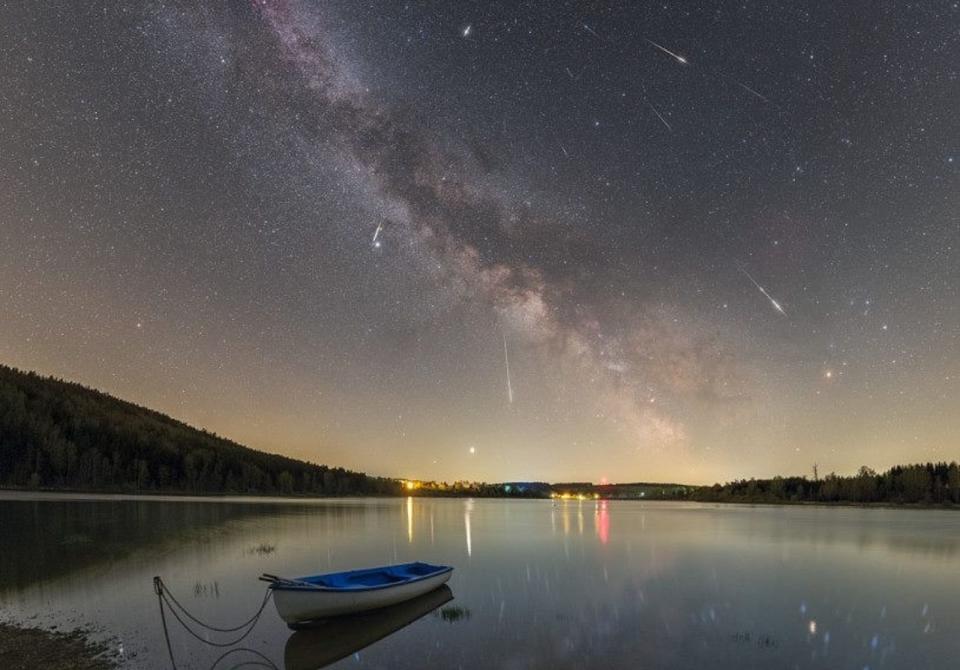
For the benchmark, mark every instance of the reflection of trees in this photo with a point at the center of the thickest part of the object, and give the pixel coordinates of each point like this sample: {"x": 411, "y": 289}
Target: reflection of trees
{"x": 902, "y": 531}
{"x": 93, "y": 532}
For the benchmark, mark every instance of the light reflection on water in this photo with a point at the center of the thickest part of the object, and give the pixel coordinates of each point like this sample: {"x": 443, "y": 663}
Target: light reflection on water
{"x": 467, "y": 511}
{"x": 547, "y": 584}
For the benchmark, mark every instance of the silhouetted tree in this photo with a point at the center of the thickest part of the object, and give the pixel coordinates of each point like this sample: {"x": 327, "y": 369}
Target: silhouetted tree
{"x": 61, "y": 435}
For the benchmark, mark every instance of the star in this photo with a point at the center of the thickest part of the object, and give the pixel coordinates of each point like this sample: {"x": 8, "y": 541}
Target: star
{"x": 384, "y": 226}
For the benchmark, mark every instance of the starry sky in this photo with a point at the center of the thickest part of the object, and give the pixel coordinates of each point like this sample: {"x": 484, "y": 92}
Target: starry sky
{"x": 709, "y": 241}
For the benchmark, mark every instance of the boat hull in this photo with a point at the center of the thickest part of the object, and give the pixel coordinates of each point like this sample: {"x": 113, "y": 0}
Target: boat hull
{"x": 302, "y": 605}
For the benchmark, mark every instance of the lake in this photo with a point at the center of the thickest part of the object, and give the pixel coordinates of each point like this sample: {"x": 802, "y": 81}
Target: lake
{"x": 537, "y": 584}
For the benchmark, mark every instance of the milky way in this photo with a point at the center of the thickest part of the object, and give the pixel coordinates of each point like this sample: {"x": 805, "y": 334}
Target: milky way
{"x": 189, "y": 194}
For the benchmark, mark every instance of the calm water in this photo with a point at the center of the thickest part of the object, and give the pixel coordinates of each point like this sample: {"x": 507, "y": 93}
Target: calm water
{"x": 537, "y": 584}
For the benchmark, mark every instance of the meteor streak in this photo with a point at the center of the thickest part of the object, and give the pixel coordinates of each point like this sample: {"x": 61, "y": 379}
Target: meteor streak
{"x": 591, "y": 31}
{"x": 750, "y": 90}
{"x": 376, "y": 234}
{"x": 680, "y": 59}
{"x": 660, "y": 116}
{"x": 506, "y": 359}
{"x": 776, "y": 305}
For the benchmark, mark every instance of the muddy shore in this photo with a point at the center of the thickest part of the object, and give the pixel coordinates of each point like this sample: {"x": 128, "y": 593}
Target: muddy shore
{"x": 24, "y": 648}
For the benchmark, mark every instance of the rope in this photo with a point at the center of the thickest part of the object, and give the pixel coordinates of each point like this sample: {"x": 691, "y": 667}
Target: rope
{"x": 161, "y": 590}
{"x": 186, "y": 627}
{"x": 265, "y": 663}
{"x": 164, "y": 597}
{"x": 163, "y": 618}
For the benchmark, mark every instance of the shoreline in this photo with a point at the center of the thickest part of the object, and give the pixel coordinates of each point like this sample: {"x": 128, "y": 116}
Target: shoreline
{"x": 9, "y": 494}
{"x": 25, "y": 647}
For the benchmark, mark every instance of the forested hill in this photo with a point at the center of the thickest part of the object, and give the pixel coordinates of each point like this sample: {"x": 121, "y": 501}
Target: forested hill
{"x": 55, "y": 434}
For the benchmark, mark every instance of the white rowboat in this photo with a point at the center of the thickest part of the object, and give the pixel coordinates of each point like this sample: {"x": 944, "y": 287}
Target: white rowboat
{"x": 322, "y": 596}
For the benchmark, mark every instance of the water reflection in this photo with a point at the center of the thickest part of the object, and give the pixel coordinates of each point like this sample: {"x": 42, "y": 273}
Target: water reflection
{"x": 241, "y": 657}
{"x": 332, "y": 640}
{"x": 673, "y": 585}
{"x": 467, "y": 511}
{"x": 323, "y": 643}
{"x": 603, "y": 521}
{"x": 410, "y": 519}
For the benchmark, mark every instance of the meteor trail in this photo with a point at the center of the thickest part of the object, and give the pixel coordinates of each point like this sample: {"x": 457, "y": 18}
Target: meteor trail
{"x": 660, "y": 116}
{"x": 506, "y": 360}
{"x": 591, "y": 31}
{"x": 564, "y": 149}
{"x": 680, "y": 59}
{"x": 776, "y": 305}
{"x": 376, "y": 234}
{"x": 750, "y": 90}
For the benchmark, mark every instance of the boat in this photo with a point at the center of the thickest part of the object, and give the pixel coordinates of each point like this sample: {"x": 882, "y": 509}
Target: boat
{"x": 326, "y": 642}
{"x": 306, "y": 599}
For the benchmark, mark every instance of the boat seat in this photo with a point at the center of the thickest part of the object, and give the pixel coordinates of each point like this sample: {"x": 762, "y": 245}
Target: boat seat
{"x": 374, "y": 578}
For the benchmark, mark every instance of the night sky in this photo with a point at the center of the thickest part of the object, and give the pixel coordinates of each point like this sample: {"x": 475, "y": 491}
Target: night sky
{"x": 709, "y": 241}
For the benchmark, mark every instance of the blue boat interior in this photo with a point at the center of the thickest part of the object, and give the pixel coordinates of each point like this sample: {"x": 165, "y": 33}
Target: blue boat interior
{"x": 375, "y": 577}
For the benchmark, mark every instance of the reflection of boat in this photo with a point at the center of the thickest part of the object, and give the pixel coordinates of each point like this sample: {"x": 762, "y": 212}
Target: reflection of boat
{"x": 333, "y": 594}
{"x": 331, "y": 640}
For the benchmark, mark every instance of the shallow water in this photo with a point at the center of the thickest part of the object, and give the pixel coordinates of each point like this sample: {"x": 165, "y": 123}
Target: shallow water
{"x": 537, "y": 584}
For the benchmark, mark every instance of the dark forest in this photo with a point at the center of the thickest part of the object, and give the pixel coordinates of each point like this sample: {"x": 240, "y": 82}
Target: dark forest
{"x": 60, "y": 435}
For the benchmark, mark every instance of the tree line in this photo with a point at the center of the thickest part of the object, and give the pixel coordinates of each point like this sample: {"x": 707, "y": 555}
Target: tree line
{"x": 56, "y": 434}
{"x": 470, "y": 489}
{"x": 60, "y": 435}
{"x": 927, "y": 483}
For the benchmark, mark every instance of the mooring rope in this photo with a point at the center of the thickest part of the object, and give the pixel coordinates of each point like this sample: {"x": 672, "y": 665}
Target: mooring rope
{"x": 163, "y": 619}
{"x": 265, "y": 663}
{"x": 162, "y": 590}
{"x": 164, "y": 597}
